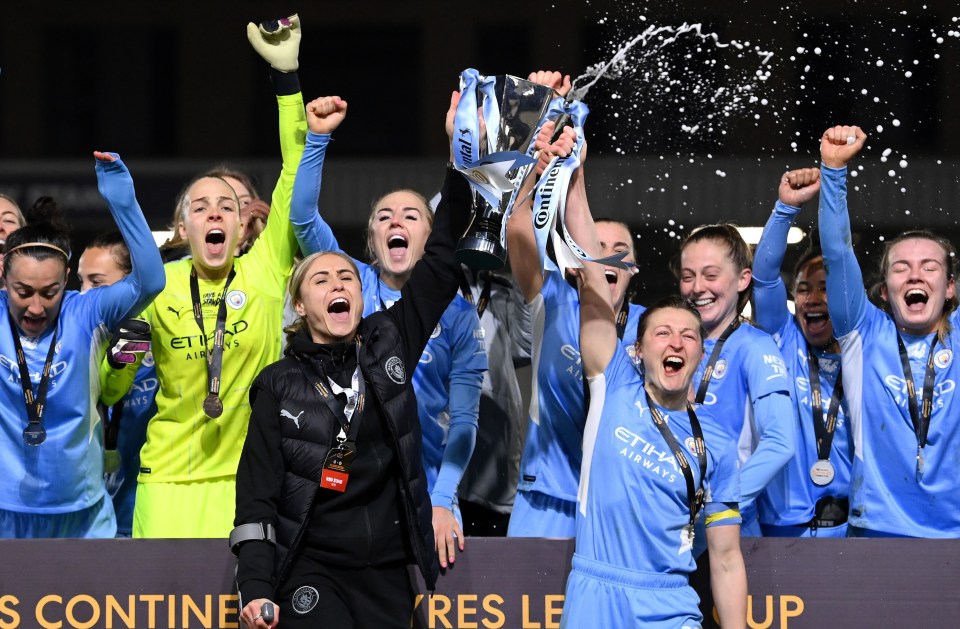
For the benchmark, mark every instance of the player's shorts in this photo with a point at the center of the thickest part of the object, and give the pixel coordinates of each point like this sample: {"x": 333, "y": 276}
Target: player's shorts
{"x": 96, "y": 521}
{"x": 193, "y": 509}
{"x": 601, "y": 595}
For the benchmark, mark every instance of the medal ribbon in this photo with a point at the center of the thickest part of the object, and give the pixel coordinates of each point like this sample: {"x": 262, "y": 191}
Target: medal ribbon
{"x": 215, "y": 355}
{"x": 484, "y": 291}
{"x": 920, "y": 417}
{"x": 34, "y": 434}
{"x": 714, "y": 356}
{"x": 696, "y": 494}
{"x": 823, "y": 429}
{"x": 622, "y": 317}
{"x": 355, "y": 403}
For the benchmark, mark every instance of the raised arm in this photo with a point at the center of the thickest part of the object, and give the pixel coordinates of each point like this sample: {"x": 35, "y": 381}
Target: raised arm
{"x": 313, "y": 233}
{"x": 846, "y": 297}
{"x": 522, "y": 244}
{"x": 146, "y": 279}
{"x": 769, "y": 293}
{"x": 521, "y": 240}
{"x": 598, "y": 329}
{"x": 280, "y": 46}
{"x": 435, "y": 278}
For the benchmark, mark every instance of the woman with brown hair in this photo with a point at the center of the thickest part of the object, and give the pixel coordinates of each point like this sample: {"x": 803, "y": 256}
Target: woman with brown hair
{"x": 332, "y": 501}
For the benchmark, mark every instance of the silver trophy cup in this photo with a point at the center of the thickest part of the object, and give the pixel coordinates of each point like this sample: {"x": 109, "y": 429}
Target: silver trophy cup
{"x": 522, "y": 104}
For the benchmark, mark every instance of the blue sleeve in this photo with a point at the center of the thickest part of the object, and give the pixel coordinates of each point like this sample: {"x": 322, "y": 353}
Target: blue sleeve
{"x": 777, "y": 425}
{"x": 722, "y": 506}
{"x": 466, "y": 378}
{"x": 133, "y": 293}
{"x": 456, "y": 454}
{"x": 469, "y": 363}
{"x": 846, "y": 298}
{"x": 769, "y": 293}
{"x": 521, "y": 328}
{"x": 312, "y": 232}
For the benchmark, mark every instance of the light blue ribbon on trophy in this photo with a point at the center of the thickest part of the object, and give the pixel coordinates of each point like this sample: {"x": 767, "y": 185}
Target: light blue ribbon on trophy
{"x": 551, "y": 196}
{"x": 488, "y": 173}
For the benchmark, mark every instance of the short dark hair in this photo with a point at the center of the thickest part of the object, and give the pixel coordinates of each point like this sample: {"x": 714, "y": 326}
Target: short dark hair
{"x": 670, "y": 301}
{"x": 39, "y": 241}
{"x": 114, "y": 243}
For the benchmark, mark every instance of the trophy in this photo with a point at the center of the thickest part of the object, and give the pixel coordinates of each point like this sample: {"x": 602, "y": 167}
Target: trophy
{"x": 497, "y": 120}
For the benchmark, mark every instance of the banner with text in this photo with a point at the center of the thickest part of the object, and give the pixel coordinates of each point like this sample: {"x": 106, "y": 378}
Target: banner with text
{"x": 496, "y": 583}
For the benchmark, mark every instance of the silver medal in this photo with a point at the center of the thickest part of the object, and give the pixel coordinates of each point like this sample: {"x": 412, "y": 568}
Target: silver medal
{"x": 822, "y": 472}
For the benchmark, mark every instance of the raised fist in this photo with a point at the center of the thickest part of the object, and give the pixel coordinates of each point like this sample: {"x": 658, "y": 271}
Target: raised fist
{"x": 799, "y": 186}
{"x": 839, "y": 144}
{"x": 326, "y": 113}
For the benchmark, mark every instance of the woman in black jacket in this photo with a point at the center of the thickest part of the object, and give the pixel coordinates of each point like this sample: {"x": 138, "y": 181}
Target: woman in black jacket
{"x": 332, "y": 503}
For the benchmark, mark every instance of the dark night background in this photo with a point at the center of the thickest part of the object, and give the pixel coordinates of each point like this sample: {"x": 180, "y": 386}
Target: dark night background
{"x": 175, "y": 88}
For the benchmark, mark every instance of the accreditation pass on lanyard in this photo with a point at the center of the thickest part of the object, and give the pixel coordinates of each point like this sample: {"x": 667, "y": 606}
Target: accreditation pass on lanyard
{"x": 336, "y": 465}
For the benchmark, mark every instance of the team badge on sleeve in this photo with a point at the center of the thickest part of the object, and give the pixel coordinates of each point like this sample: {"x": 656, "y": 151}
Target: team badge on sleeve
{"x": 395, "y": 371}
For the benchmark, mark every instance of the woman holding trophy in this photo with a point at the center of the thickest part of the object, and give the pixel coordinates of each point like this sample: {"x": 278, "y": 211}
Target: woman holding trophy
{"x": 450, "y": 372}
{"x": 636, "y": 514}
{"x": 340, "y": 407}
{"x": 545, "y": 505}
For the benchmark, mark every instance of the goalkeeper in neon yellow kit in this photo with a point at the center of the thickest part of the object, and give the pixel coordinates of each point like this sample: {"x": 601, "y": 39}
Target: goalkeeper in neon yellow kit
{"x": 217, "y": 324}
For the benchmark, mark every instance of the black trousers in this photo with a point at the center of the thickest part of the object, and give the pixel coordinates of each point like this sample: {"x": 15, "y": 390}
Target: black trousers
{"x": 320, "y": 596}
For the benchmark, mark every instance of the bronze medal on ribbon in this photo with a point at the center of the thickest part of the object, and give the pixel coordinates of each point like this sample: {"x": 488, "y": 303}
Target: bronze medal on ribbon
{"x": 212, "y": 406}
